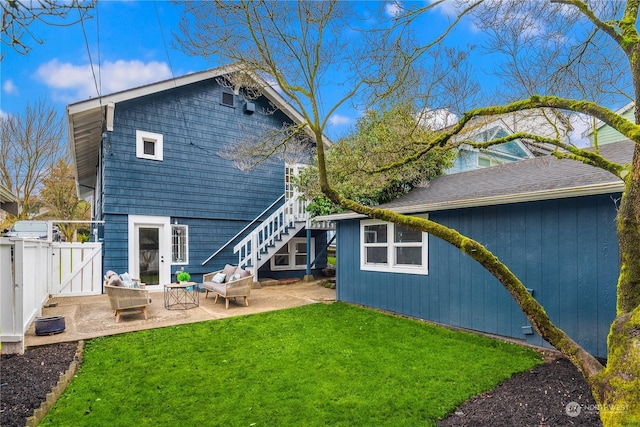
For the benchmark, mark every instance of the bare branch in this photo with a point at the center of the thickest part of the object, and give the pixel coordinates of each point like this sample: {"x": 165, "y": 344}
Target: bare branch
{"x": 18, "y": 17}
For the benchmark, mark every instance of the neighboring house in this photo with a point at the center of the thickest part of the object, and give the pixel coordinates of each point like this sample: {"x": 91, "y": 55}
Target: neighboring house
{"x": 552, "y": 222}
{"x": 8, "y": 202}
{"x": 546, "y": 122}
{"x": 151, "y": 158}
{"x": 604, "y": 133}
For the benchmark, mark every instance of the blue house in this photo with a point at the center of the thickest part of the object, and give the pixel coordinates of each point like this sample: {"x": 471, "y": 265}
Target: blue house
{"x": 553, "y": 223}
{"x": 155, "y": 160}
{"x": 543, "y": 121}
{"x": 601, "y": 133}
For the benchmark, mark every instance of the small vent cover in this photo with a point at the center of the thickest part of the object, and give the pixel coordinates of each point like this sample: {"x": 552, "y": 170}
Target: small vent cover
{"x": 227, "y": 99}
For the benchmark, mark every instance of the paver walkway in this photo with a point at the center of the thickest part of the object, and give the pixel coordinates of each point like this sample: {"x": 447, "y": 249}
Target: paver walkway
{"x": 91, "y": 316}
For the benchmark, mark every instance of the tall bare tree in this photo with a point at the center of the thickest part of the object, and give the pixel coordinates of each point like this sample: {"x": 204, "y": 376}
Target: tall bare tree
{"x": 29, "y": 145}
{"x": 18, "y": 16}
{"x": 295, "y": 44}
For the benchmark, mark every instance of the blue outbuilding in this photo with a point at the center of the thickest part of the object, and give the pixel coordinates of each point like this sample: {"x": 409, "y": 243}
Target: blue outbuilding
{"x": 552, "y": 222}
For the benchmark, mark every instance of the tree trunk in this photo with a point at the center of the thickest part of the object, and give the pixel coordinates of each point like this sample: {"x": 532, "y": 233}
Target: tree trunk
{"x": 617, "y": 387}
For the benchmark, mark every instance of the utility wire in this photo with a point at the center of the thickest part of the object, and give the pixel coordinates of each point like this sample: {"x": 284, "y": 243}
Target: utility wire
{"x": 99, "y": 59}
{"x": 164, "y": 41}
{"x": 86, "y": 42}
{"x": 173, "y": 77}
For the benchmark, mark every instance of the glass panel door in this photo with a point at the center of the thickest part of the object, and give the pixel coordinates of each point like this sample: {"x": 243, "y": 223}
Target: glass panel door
{"x": 149, "y": 255}
{"x": 290, "y": 191}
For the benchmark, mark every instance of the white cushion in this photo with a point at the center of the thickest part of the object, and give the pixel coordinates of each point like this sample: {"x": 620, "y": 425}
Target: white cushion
{"x": 219, "y": 278}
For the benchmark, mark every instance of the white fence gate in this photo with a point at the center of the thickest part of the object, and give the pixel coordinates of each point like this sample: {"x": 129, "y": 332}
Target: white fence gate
{"x": 31, "y": 271}
{"x": 76, "y": 269}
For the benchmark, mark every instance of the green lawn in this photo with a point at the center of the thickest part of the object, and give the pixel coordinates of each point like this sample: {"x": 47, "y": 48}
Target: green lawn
{"x": 321, "y": 364}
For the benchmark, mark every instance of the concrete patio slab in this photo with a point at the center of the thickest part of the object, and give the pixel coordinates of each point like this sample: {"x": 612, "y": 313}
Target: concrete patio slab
{"x": 91, "y": 316}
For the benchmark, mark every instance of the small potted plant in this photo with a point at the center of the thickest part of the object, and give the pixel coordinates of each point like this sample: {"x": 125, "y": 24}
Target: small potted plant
{"x": 183, "y": 277}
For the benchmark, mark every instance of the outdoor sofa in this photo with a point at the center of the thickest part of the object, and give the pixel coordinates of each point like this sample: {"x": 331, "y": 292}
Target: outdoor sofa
{"x": 230, "y": 282}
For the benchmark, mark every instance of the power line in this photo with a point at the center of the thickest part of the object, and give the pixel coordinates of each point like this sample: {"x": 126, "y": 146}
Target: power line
{"x": 164, "y": 41}
{"x": 86, "y": 42}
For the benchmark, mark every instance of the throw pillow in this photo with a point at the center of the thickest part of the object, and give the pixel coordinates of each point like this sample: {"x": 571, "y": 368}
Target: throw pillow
{"x": 114, "y": 280}
{"x": 127, "y": 281}
{"x": 242, "y": 273}
{"x": 229, "y": 270}
{"x": 219, "y": 278}
{"x": 235, "y": 276}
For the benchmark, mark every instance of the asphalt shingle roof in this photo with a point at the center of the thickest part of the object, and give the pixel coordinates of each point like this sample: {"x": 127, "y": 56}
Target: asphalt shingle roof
{"x": 541, "y": 174}
{"x": 540, "y": 178}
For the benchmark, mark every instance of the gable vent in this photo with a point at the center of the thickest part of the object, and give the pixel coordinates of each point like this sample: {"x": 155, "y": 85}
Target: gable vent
{"x": 227, "y": 99}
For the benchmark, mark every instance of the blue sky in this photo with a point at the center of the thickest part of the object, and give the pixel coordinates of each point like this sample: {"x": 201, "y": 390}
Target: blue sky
{"x": 129, "y": 43}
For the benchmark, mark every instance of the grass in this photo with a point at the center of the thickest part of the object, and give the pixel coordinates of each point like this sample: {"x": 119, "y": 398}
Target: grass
{"x": 314, "y": 365}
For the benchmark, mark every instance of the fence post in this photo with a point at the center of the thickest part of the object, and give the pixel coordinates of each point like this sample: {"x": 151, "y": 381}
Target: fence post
{"x": 12, "y": 302}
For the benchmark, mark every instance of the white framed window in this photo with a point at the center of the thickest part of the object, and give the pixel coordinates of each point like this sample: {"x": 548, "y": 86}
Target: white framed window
{"x": 389, "y": 247}
{"x": 487, "y": 161}
{"x": 293, "y": 255}
{"x": 148, "y": 145}
{"x": 179, "y": 244}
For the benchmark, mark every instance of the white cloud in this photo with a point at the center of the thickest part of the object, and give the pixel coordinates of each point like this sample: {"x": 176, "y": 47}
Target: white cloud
{"x": 10, "y": 88}
{"x": 437, "y": 119}
{"x": 581, "y": 124}
{"x": 76, "y": 82}
{"x": 339, "y": 120}
{"x": 393, "y": 9}
{"x": 448, "y": 8}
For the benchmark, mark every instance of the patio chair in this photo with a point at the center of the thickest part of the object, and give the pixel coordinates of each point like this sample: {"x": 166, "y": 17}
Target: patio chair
{"x": 122, "y": 298}
{"x": 232, "y": 287}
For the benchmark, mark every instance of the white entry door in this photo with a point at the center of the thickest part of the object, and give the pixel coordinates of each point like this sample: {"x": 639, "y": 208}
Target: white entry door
{"x": 149, "y": 250}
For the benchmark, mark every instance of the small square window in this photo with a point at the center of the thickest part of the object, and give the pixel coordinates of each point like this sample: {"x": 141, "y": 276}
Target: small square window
{"x": 150, "y": 148}
{"x": 148, "y": 145}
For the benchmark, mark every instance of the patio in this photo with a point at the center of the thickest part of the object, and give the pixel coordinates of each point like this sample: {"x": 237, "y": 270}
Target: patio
{"x": 91, "y": 316}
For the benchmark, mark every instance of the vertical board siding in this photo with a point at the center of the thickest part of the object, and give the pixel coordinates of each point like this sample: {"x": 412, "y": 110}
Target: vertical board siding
{"x": 564, "y": 250}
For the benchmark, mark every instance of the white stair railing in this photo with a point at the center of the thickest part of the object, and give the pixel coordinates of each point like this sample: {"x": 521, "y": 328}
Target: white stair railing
{"x": 269, "y": 233}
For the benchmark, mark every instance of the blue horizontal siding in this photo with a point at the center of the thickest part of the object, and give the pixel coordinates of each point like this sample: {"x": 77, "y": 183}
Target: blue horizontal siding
{"x": 564, "y": 250}
{"x": 193, "y": 179}
{"x": 193, "y": 183}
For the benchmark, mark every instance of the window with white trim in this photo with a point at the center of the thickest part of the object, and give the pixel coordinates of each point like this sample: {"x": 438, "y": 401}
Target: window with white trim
{"x": 293, "y": 255}
{"x": 179, "y": 244}
{"x": 392, "y": 248}
{"x": 487, "y": 161}
{"x": 148, "y": 145}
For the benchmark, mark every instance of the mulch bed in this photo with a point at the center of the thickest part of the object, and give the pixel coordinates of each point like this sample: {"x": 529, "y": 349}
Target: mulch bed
{"x": 537, "y": 398}
{"x": 26, "y": 379}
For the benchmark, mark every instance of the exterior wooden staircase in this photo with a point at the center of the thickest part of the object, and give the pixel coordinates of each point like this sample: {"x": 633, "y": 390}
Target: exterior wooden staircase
{"x": 273, "y": 233}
